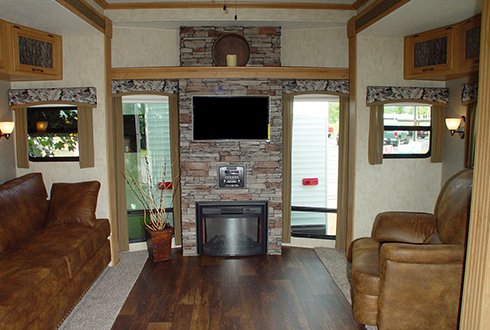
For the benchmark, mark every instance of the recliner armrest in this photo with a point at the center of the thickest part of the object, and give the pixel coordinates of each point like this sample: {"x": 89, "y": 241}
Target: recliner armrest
{"x": 404, "y": 227}
{"x": 422, "y": 254}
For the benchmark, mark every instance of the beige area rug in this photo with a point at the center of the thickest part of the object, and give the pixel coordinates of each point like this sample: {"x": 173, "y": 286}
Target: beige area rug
{"x": 101, "y": 304}
{"x": 340, "y": 270}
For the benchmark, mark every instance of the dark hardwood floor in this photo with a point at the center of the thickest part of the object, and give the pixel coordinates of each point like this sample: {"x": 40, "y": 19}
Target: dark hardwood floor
{"x": 292, "y": 291}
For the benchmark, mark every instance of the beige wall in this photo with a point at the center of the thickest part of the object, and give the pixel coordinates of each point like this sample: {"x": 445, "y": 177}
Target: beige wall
{"x": 315, "y": 47}
{"x": 7, "y": 164}
{"x": 83, "y": 65}
{"x": 138, "y": 47}
{"x": 454, "y": 147}
{"x": 397, "y": 184}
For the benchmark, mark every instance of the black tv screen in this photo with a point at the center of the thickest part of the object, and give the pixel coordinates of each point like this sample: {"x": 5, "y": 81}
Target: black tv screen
{"x": 230, "y": 117}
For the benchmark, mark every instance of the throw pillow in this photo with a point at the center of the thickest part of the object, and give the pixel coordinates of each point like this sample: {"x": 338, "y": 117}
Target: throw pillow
{"x": 73, "y": 203}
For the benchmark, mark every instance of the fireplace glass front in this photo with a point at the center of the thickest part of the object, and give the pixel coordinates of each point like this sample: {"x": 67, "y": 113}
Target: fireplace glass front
{"x": 232, "y": 228}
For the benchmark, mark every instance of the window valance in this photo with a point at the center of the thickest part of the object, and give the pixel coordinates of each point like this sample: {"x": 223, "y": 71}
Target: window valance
{"x": 340, "y": 87}
{"x": 145, "y": 85}
{"x": 78, "y": 95}
{"x": 389, "y": 94}
{"x": 469, "y": 93}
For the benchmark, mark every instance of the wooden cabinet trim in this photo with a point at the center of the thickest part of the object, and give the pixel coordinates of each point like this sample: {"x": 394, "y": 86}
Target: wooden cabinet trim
{"x": 456, "y": 65}
{"x": 10, "y": 67}
{"x": 55, "y": 40}
{"x": 411, "y": 41}
{"x": 471, "y": 64}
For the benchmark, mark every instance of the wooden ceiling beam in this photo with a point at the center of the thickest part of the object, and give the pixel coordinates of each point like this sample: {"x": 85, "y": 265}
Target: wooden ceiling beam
{"x": 229, "y": 4}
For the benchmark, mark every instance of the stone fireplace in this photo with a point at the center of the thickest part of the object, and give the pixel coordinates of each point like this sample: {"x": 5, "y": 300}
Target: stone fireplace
{"x": 199, "y": 161}
{"x": 261, "y": 159}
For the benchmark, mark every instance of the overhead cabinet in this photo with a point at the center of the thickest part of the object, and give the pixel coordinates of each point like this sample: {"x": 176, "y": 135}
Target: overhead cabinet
{"x": 445, "y": 53}
{"x": 469, "y": 37}
{"x": 29, "y": 54}
{"x": 3, "y": 50}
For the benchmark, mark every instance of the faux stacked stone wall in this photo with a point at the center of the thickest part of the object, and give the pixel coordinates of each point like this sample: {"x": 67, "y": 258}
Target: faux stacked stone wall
{"x": 196, "y": 44}
{"x": 200, "y": 160}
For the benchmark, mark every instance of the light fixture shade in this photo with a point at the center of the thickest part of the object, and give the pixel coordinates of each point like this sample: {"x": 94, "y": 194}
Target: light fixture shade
{"x": 452, "y": 124}
{"x": 7, "y": 127}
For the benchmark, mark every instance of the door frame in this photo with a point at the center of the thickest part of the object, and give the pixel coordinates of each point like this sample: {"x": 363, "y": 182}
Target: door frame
{"x": 117, "y": 175}
{"x": 344, "y": 226}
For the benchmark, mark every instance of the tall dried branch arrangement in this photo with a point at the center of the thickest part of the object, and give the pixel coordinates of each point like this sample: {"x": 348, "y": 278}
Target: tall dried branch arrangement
{"x": 155, "y": 216}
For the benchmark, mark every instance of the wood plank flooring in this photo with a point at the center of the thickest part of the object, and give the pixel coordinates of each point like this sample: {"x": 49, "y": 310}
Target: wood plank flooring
{"x": 292, "y": 291}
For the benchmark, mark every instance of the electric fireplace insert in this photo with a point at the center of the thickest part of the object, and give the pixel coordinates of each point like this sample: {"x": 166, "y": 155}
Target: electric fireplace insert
{"x": 231, "y": 228}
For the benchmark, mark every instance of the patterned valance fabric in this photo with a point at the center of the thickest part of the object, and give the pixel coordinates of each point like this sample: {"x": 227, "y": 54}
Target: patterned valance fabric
{"x": 332, "y": 86}
{"x": 80, "y": 95}
{"x": 469, "y": 93}
{"x": 144, "y": 85}
{"x": 385, "y": 94}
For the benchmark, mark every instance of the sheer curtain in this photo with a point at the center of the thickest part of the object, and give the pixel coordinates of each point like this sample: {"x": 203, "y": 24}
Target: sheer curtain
{"x": 376, "y": 130}
{"x": 21, "y": 142}
{"x": 85, "y": 136}
{"x": 470, "y": 127}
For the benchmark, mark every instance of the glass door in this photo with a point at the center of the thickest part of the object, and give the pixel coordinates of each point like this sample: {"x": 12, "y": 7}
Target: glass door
{"x": 146, "y": 153}
{"x": 314, "y": 166}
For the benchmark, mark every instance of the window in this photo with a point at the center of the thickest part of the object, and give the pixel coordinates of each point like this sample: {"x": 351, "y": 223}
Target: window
{"x": 407, "y": 131}
{"x": 53, "y": 133}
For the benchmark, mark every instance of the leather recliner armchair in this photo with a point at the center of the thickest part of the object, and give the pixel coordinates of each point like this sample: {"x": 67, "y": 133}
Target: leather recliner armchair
{"x": 408, "y": 274}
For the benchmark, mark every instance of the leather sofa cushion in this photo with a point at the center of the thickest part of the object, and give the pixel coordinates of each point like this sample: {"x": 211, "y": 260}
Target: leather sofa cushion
{"x": 365, "y": 266}
{"x": 74, "y": 244}
{"x": 27, "y": 286}
{"x": 23, "y": 210}
{"x": 73, "y": 203}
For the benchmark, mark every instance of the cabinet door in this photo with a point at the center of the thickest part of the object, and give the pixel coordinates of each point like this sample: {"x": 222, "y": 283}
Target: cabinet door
{"x": 469, "y": 38}
{"x": 36, "y": 52}
{"x": 429, "y": 53}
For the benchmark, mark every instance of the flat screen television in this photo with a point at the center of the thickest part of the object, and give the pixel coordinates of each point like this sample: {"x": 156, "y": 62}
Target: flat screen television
{"x": 230, "y": 118}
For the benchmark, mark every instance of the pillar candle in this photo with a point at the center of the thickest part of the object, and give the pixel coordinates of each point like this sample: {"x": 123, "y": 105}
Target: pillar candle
{"x": 231, "y": 60}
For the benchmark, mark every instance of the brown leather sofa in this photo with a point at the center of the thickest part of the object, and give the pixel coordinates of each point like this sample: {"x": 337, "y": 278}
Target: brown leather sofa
{"x": 408, "y": 274}
{"x": 51, "y": 251}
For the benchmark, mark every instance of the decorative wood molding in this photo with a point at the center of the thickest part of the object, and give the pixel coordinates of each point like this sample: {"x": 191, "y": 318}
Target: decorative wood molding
{"x": 376, "y": 11}
{"x": 102, "y": 3}
{"x": 144, "y": 85}
{"x": 85, "y": 12}
{"x": 388, "y": 94}
{"x": 78, "y": 95}
{"x": 469, "y": 93}
{"x": 176, "y": 72}
{"x": 338, "y": 87}
{"x": 229, "y": 4}
{"x": 358, "y": 4}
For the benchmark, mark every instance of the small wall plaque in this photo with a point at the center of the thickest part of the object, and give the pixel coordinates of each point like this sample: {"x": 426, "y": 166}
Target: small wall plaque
{"x": 231, "y": 176}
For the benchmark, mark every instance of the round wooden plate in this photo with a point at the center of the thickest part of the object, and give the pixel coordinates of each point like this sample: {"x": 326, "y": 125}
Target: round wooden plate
{"x": 230, "y": 43}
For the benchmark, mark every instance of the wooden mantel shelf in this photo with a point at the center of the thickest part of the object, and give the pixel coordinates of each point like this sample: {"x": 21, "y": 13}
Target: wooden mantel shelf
{"x": 180, "y": 72}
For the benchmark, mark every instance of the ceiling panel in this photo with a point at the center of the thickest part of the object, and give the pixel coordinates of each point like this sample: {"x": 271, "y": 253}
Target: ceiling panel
{"x": 46, "y": 15}
{"x": 422, "y": 15}
{"x": 348, "y": 2}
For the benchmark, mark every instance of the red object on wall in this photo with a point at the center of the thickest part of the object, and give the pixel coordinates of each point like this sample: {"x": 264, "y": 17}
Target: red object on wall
{"x": 310, "y": 181}
{"x": 163, "y": 185}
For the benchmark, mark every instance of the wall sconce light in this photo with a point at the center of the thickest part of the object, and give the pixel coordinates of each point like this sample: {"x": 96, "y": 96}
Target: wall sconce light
{"x": 456, "y": 125}
{"x": 6, "y": 128}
